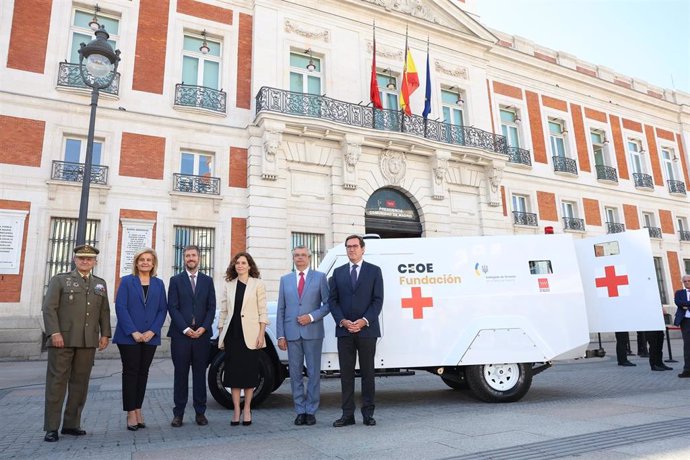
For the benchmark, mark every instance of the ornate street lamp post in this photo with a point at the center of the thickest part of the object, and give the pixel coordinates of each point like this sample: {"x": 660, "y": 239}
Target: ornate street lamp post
{"x": 98, "y": 73}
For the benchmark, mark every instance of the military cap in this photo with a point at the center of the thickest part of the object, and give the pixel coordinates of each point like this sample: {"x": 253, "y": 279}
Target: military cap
{"x": 85, "y": 250}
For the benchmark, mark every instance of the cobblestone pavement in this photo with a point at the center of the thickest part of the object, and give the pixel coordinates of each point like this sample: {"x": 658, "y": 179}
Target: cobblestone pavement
{"x": 585, "y": 408}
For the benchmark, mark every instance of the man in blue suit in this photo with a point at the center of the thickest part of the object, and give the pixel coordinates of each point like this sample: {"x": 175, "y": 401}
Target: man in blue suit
{"x": 302, "y": 305}
{"x": 192, "y": 308}
{"x": 682, "y": 301}
{"x": 356, "y": 300}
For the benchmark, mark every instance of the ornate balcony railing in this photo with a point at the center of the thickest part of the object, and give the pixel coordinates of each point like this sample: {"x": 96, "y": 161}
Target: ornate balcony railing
{"x": 573, "y": 223}
{"x": 520, "y": 156}
{"x": 564, "y": 164}
{"x": 74, "y": 172}
{"x": 614, "y": 227}
{"x": 196, "y": 184}
{"x": 70, "y": 77}
{"x": 684, "y": 235}
{"x": 654, "y": 232}
{"x": 676, "y": 186}
{"x": 607, "y": 173}
{"x": 643, "y": 180}
{"x": 525, "y": 218}
{"x": 200, "y": 97}
{"x": 316, "y": 106}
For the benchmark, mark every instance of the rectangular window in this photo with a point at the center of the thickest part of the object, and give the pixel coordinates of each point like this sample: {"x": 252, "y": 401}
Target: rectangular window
{"x": 611, "y": 215}
{"x": 201, "y": 69}
{"x": 635, "y": 154}
{"x": 196, "y": 164}
{"x": 667, "y": 157}
{"x": 557, "y": 138}
{"x": 509, "y": 126}
{"x": 81, "y": 32}
{"x": 453, "y": 116}
{"x": 597, "y": 138}
{"x": 302, "y": 79}
{"x": 686, "y": 263}
{"x": 658, "y": 267}
{"x": 61, "y": 241}
{"x": 569, "y": 209}
{"x": 648, "y": 219}
{"x": 682, "y": 224}
{"x": 388, "y": 91}
{"x": 200, "y": 236}
{"x": 315, "y": 243}
{"x": 540, "y": 267}
{"x": 75, "y": 150}
{"x": 609, "y": 248}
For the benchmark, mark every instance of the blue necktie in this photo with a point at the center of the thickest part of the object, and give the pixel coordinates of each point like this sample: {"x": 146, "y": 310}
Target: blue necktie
{"x": 353, "y": 276}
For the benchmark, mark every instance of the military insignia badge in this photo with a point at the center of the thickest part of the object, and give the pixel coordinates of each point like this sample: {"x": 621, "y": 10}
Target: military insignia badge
{"x": 99, "y": 288}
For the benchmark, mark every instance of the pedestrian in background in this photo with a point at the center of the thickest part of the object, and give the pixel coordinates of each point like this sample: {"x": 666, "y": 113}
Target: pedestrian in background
{"x": 140, "y": 307}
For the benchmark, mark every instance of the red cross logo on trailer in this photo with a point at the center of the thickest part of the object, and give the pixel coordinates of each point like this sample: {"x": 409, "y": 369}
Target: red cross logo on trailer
{"x": 417, "y": 303}
{"x": 613, "y": 282}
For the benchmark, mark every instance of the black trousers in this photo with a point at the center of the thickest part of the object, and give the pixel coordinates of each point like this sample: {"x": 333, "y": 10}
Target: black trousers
{"x": 186, "y": 353}
{"x": 656, "y": 347}
{"x": 685, "y": 332}
{"x": 622, "y": 342}
{"x": 641, "y": 342}
{"x": 136, "y": 361}
{"x": 348, "y": 349}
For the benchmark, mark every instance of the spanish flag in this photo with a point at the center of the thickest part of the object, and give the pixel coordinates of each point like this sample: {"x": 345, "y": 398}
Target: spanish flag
{"x": 410, "y": 80}
{"x": 374, "y": 95}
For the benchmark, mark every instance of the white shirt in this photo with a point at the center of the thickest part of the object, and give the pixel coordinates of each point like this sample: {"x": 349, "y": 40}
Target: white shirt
{"x": 687, "y": 312}
{"x": 297, "y": 272}
{"x": 357, "y": 270}
{"x": 196, "y": 278}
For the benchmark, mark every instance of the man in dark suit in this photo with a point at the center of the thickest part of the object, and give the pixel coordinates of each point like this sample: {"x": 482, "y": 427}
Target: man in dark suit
{"x": 302, "y": 305}
{"x": 356, "y": 300}
{"x": 192, "y": 308}
{"x": 682, "y": 319}
{"x": 76, "y": 313}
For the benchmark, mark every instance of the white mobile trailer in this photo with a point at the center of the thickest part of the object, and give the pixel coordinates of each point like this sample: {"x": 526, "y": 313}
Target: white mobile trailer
{"x": 490, "y": 312}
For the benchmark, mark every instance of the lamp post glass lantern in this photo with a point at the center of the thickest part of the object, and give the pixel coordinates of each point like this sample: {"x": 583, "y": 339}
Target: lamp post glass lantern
{"x": 98, "y": 73}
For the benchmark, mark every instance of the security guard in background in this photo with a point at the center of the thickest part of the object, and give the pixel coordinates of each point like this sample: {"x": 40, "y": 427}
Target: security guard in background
{"x": 76, "y": 313}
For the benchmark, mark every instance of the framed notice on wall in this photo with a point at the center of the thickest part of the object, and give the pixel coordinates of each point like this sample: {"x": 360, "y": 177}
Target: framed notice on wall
{"x": 11, "y": 240}
{"x": 136, "y": 235}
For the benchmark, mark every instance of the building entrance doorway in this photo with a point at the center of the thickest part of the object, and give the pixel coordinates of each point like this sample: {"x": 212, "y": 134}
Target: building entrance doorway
{"x": 390, "y": 214}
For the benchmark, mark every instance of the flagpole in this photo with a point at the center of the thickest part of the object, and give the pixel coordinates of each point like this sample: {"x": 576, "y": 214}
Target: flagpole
{"x": 426, "y": 117}
{"x": 403, "y": 85}
{"x": 373, "y": 65}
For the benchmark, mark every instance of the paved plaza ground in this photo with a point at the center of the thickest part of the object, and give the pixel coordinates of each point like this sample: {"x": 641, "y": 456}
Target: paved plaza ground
{"x": 589, "y": 409}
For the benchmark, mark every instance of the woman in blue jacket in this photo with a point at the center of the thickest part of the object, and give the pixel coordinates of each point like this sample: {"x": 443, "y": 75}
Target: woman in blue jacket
{"x": 140, "y": 307}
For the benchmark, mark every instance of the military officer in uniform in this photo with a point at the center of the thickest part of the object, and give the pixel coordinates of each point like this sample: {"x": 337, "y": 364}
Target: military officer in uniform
{"x": 76, "y": 313}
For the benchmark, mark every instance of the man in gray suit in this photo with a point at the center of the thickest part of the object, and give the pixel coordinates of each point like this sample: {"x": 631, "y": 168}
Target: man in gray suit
{"x": 302, "y": 305}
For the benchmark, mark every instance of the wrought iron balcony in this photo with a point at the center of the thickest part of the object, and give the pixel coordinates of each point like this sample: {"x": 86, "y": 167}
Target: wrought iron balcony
{"x": 200, "y": 97}
{"x": 525, "y": 218}
{"x": 564, "y": 164}
{"x": 614, "y": 227}
{"x": 676, "y": 186}
{"x": 325, "y": 108}
{"x": 196, "y": 184}
{"x": 520, "y": 156}
{"x": 74, "y": 172}
{"x": 70, "y": 77}
{"x": 573, "y": 223}
{"x": 607, "y": 173}
{"x": 684, "y": 235}
{"x": 643, "y": 180}
{"x": 654, "y": 232}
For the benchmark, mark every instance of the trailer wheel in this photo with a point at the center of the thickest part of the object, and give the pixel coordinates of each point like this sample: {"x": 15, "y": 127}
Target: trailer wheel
{"x": 499, "y": 382}
{"x": 222, "y": 394}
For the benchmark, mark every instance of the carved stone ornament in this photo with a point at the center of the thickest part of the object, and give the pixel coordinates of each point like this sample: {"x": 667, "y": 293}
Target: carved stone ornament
{"x": 495, "y": 177}
{"x": 415, "y": 8}
{"x": 450, "y": 69}
{"x": 439, "y": 172}
{"x": 312, "y": 33}
{"x": 393, "y": 166}
{"x": 352, "y": 150}
{"x": 271, "y": 141}
{"x": 384, "y": 51}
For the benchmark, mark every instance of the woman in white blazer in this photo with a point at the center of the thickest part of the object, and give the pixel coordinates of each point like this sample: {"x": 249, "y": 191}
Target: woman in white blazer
{"x": 242, "y": 323}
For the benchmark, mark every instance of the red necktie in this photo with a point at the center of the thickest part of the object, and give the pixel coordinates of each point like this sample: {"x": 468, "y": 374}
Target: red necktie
{"x": 300, "y": 285}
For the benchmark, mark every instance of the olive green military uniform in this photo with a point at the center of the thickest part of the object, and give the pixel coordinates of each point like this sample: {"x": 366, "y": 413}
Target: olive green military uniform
{"x": 80, "y": 310}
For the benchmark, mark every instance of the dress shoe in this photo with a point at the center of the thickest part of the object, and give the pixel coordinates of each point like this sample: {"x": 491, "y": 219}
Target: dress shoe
{"x": 51, "y": 436}
{"x": 667, "y": 368}
{"x": 301, "y": 419}
{"x": 369, "y": 421}
{"x": 246, "y": 422}
{"x": 201, "y": 420}
{"x": 344, "y": 421}
{"x": 133, "y": 427}
{"x": 658, "y": 368}
{"x": 684, "y": 375}
{"x": 176, "y": 421}
{"x": 73, "y": 431}
{"x": 627, "y": 364}
{"x": 310, "y": 420}
{"x": 141, "y": 425}
{"x": 232, "y": 423}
